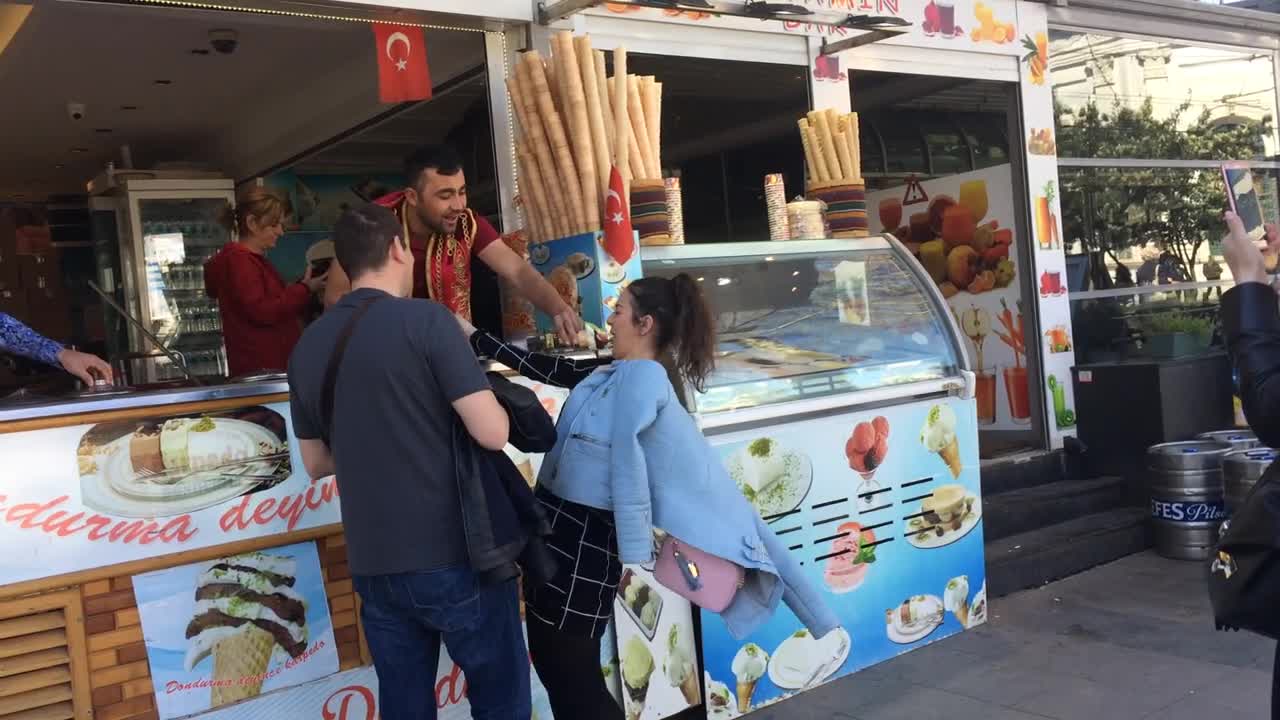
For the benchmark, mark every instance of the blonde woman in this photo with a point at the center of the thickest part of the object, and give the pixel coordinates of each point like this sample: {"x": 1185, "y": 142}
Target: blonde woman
{"x": 261, "y": 315}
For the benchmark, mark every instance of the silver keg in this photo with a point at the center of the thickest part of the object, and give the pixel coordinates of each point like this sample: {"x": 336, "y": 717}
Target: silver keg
{"x": 1186, "y": 497}
{"x": 1241, "y": 470}
{"x": 1237, "y": 439}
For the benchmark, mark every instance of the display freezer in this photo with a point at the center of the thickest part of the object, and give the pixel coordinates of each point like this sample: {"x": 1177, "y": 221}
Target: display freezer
{"x": 843, "y": 406}
{"x": 152, "y": 257}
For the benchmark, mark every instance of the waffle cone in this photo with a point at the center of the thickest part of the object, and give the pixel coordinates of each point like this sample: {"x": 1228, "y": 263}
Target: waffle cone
{"x": 690, "y": 689}
{"x": 962, "y": 614}
{"x": 951, "y": 456}
{"x": 241, "y": 660}
{"x": 745, "y": 691}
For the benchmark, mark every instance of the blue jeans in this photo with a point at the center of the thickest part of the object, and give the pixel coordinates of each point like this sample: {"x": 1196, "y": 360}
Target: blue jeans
{"x": 406, "y": 616}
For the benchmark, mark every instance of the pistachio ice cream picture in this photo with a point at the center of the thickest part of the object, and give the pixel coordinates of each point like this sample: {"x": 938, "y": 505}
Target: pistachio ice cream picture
{"x": 679, "y": 665}
{"x": 637, "y": 669}
{"x": 939, "y": 436}
{"x": 749, "y": 666}
{"x": 246, "y": 607}
{"x": 956, "y": 599}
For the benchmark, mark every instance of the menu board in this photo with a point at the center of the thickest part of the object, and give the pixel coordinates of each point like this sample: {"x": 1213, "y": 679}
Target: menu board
{"x": 883, "y": 511}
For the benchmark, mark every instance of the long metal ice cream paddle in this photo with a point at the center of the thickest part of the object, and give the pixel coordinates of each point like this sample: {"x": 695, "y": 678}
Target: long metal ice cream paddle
{"x": 173, "y": 357}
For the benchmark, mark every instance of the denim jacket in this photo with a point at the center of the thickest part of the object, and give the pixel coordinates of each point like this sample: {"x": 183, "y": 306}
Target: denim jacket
{"x": 625, "y": 444}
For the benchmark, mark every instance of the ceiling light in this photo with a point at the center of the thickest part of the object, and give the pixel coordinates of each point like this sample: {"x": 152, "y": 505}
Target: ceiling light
{"x": 199, "y": 51}
{"x": 128, "y": 108}
{"x": 164, "y": 82}
{"x": 103, "y": 131}
{"x": 79, "y": 150}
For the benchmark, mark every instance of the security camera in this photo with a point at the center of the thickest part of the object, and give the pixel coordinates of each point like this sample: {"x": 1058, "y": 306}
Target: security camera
{"x": 224, "y": 41}
{"x": 75, "y": 110}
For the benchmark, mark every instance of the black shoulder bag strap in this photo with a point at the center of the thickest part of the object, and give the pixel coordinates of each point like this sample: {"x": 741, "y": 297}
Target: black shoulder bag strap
{"x": 335, "y": 362}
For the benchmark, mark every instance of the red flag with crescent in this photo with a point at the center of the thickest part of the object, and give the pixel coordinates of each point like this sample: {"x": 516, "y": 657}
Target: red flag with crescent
{"x": 619, "y": 241}
{"x": 403, "y": 75}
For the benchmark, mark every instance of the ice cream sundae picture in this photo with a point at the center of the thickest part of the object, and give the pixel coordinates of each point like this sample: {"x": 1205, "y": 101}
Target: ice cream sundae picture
{"x": 720, "y": 702}
{"x": 637, "y": 669}
{"x": 866, "y": 450}
{"x": 680, "y": 666}
{"x": 853, "y": 553}
{"x": 914, "y": 619}
{"x": 955, "y": 599}
{"x": 939, "y": 436}
{"x": 641, "y": 601}
{"x": 246, "y": 612}
{"x": 802, "y": 660}
{"x": 978, "y": 607}
{"x": 774, "y": 478}
{"x": 170, "y": 466}
{"x": 749, "y": 666}
{"x": 946, "y": 515}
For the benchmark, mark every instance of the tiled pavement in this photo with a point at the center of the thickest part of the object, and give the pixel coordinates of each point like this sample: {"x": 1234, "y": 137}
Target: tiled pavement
{"x": 1132, "y": 640}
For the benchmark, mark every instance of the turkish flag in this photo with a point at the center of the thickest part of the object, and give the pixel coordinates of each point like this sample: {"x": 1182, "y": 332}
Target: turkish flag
{"x": 619, "y": 241}
{"x": 402, "y": 63}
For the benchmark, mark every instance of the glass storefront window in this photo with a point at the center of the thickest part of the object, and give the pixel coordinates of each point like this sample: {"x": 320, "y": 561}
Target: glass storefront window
{"x": 1113, "y": 93}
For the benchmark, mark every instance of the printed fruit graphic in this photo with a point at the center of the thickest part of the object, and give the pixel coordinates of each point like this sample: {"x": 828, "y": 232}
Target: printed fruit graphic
{"x": 1037, "y": 57}
{"x": 958, "y": 227}
{"x": 1004, "y": 273}
{"x": 989, "y": 28}
{"x": 975, "y": 322}
{"x": 983, "y": 238}
{"x": 933, "y": 256}
{"x": 937, "y": 210}
{"x": 948, "y": 290}
{"x": 868, "y": 445}
{"x": 961, "y": 266}
{"x": 921, "y": 228}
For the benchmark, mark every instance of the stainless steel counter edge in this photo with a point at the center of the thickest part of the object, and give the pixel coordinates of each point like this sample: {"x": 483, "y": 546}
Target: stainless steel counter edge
{"x": 128, "y": 401}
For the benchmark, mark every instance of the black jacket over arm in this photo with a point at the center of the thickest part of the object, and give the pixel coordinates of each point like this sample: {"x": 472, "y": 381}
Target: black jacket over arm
{"x": 1251, "y": 324}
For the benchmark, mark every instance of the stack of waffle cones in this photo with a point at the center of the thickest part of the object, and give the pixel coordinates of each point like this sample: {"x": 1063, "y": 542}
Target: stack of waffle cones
{"x": 574, "y": 125}
{"x": 832, "y": 149}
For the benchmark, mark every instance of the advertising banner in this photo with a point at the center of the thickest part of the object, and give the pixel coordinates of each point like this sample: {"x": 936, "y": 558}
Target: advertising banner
{"x": 897, "y": 548}
{"x": 86, "y": 496}
{"x": 228, "y": 630}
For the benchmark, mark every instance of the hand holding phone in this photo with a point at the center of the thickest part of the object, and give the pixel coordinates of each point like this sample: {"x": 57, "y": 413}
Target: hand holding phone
{"x": 1243, "y": 200}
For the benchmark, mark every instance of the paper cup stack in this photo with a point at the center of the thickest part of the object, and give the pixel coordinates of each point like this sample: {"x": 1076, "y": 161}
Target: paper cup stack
{"x": 574, "y": 124}
{"x": 775, "y": 202}
{"x": 833, "y": 157}
{"x": 675, "y": 210}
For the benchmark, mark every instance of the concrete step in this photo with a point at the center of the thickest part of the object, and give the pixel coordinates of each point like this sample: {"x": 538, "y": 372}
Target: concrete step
{"x": 1021, "y": 471}
{"x": 1018, "y": 511}
{"x": 1033, "y": 558}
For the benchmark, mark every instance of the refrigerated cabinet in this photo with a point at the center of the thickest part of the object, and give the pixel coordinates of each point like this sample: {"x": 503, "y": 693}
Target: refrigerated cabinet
{"x": 164, "y": 231}
{"x": 843, "y": 405}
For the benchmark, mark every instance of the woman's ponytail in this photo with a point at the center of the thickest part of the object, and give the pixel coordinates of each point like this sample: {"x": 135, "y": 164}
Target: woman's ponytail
{"x": 694, "y": 340}
{"x": 686, "y": 327}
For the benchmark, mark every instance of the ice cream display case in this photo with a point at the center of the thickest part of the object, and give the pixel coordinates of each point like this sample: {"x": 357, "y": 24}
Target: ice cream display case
{"x": 843, "y": 406}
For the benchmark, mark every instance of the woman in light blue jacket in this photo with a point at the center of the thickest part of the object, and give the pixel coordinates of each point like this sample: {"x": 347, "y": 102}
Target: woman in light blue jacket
{"x": 629, "y": 458}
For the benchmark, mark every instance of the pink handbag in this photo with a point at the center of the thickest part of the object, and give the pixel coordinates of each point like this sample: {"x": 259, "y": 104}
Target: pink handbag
{"x": 703, "y": 579}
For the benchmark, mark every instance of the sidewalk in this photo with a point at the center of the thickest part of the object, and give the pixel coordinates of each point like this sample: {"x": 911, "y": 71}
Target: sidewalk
{"x": 1132, "y": 640}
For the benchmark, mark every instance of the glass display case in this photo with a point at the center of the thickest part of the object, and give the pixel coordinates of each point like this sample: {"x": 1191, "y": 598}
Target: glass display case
{"x": 802, "y": 320}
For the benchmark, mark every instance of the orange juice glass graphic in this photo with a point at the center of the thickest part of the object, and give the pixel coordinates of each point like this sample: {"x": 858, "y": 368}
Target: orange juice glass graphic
{"x": 1015, "y": 385}
{"x": 986, "y": 392}
{"x": 890, "y": 214}
{"x": 973, "y": 195}
{"x": 1044, "y": 223}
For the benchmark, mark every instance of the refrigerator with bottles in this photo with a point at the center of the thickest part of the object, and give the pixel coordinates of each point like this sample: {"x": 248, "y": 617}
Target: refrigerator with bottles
{"x": 152, "y": 237}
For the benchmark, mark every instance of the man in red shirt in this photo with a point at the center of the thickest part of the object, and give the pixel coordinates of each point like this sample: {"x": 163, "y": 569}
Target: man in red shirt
{"x": 444, "y": 236}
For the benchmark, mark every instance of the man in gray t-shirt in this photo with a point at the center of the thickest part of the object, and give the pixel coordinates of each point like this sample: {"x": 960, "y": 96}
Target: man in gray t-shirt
{"x": 407, "y": 374}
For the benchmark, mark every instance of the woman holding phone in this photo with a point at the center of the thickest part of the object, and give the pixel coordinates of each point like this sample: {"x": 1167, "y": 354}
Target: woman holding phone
{"x": 628, "y": 459}
{"x": 1251, "y": 324}
{"x": 261, "y": 315}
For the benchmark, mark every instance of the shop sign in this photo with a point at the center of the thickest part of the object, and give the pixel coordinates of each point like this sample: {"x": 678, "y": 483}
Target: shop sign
{"x": 92, "y": 495}
{"x": 203, "y": 652}
{"x": 983, "y": 26}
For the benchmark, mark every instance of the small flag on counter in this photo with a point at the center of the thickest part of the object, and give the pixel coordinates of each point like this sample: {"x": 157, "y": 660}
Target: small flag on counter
{"x": 619, "y": 240}
{"x": 403, "y": 75}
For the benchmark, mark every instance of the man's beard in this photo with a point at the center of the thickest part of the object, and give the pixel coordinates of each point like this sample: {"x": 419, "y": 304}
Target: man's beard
{"x": 438, "y": 226}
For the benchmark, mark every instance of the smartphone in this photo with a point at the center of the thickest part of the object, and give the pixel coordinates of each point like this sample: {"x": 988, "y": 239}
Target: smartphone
{"x": 1243, "y": 198}
{"x": 320, "y": 267}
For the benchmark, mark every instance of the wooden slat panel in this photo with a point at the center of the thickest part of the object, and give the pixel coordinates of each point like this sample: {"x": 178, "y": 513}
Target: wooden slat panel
{"x": 134, "y": 688}
{"x": 126, "y": 709}
{"x": 102, "y": 659}
{"x": 108, "y": 603}
{"x": 115, "y": 638}
{"x": 29, "y": 624}
{"x": 58, "y": 711}
{"x": 128, "y": 617}
{"x": 119, "y": 674}
{"x": 342, "y": 603}
{"x": 51, "y": 599}
{"x": 33, "y": 643}
{"x": 26, "y": 682}
{"x": 78, "y": 650}
{"x": 33, "y": 661}
{"x": 35, "y": 699}
{"x": 97, "y": 587}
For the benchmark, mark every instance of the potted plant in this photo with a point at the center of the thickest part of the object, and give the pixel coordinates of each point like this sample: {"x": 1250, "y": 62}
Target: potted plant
{"x": 1175, "y": 334}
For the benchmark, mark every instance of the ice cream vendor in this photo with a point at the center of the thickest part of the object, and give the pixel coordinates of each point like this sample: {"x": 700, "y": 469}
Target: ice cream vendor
{"x": 445, "y": 234}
